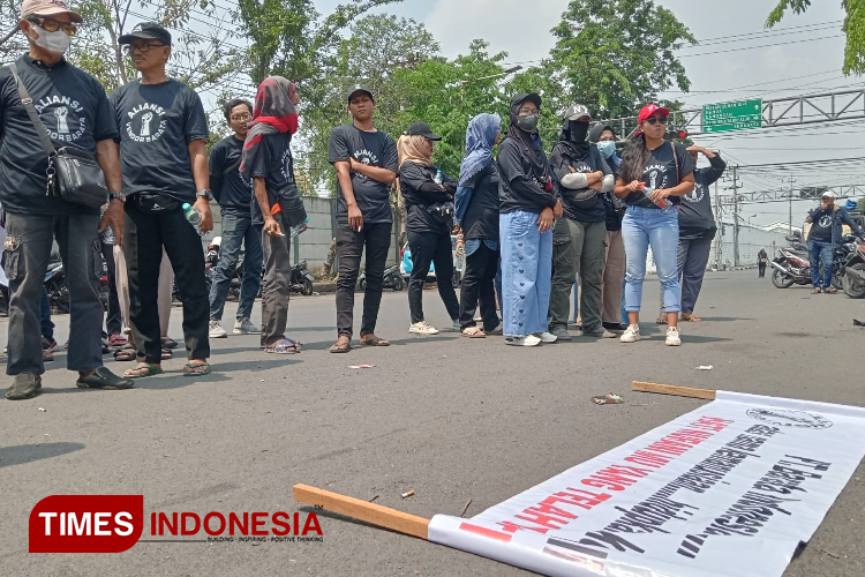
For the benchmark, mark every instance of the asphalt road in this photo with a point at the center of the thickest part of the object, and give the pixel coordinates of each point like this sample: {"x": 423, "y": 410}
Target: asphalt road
{"x": 454, "y": 419}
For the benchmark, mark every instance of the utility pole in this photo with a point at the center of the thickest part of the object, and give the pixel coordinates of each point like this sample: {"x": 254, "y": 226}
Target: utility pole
{"x": 735, "y": 188}
{"x": 719, "y": 239}
{"x": 790, "y": 206}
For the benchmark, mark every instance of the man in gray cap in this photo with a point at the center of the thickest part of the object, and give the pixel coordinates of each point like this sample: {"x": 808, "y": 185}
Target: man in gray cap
{"x": 824, "y": 236}
{"x": 42, "y": 93}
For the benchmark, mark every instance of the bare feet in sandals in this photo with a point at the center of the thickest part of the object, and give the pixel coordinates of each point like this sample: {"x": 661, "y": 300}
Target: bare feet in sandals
{"x": 196, "y": 368}
{"x": 342, "y": 344}
{"x": 371, "y": 340}
{"x": 691, "y": 318}
{"x": 142, "y": 370}
{"x": 474, "y": 333}
{"x": 283, "y": 346}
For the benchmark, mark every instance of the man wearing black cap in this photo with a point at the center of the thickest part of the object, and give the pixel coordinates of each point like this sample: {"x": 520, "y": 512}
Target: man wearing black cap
{"x": 365, "y": 160}
{"x": 163, "y": 148}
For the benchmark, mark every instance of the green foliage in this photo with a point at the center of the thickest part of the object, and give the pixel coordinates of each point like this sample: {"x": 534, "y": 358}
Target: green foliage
{"x": 854, "y": 29}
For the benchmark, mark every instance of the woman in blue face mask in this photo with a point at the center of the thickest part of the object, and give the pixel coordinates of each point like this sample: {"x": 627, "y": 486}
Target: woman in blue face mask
{"x": 612, "y": 308}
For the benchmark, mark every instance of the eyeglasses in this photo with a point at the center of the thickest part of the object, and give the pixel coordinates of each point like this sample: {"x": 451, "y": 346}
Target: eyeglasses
{"x": 240, "y": 117}
{"x": 657, "y": 119}
{"x": 142, "y": 46}
{"x": 49, "y": 25}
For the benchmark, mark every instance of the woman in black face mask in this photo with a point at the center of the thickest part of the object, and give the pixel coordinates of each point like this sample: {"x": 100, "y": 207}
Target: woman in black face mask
{"x": 529, "y": 208}
{"x": 578, "y": 239}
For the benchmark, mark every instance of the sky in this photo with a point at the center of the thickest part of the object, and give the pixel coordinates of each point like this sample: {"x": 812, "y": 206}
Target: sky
{"x": 803, "y": 56}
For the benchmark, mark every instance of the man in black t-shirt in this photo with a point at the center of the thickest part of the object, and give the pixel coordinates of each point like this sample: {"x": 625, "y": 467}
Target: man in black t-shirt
{"x": 234, "y": 195}
{"x": 824, "y": 236}
{"x": 163, "y": 149}
{"x": 72, "y": 109}
{"x": 365, "y": 160}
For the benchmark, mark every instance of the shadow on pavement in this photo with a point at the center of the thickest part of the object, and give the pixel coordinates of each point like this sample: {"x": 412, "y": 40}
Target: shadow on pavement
{"x": 20, "y": 454}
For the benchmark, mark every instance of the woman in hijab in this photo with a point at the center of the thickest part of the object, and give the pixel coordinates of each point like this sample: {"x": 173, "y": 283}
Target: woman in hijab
{"x": 579, "y": 239}
{"x": 267, "y": 161}
{"x": 529, "y": 206}
{"x": 653, "y": 177}
{"x": 429, "y": 205}
{"x": 477, "y": 219}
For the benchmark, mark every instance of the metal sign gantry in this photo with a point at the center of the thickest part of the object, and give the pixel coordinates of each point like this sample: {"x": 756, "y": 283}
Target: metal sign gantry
{"x": 842, "y": 191}
{"x": 778, "y": 112}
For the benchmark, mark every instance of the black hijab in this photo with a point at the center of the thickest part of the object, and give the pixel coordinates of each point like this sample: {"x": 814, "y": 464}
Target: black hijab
{"x": 529, "y": 142}
{"x": 573, "y": 139}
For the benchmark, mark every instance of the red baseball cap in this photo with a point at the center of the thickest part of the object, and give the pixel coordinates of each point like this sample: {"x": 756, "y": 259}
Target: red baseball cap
{"x": 651, "y": 110}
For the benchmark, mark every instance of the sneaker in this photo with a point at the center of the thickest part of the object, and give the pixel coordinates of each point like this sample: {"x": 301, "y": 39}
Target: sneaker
{"x": 423, "y": 328}
{"x": 245, "y": 327}
{"x": 527, "y": 341}
{"x": 598, "y": 333}
{"x": 561, "y": 333}
{"x": 631, "y": 334}
{"x": 24, "y": 386}
{"x": 216, "y": 330}
{"x": 547, "y": 337}
{"x": 103, "y": 378}
{"x": 673, "y": 338}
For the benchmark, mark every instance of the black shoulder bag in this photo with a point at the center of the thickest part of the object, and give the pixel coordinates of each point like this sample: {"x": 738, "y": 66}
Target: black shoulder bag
{"x": 73, "y": 173}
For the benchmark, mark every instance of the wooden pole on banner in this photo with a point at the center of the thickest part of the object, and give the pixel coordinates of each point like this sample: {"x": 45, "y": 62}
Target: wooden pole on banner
{"x": 676, "y": 390}
{"x": 365, "y": 511}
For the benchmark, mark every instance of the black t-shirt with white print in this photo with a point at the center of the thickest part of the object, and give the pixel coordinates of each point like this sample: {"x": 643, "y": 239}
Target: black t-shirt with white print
{"x": 157, "y": 122}
{"x": 275, "y": 164}
{"x": 660, "y": 171}
{"x": 373, "y": 148}
{"x": 75, "y": 111}
{"x": 821, "y": 225}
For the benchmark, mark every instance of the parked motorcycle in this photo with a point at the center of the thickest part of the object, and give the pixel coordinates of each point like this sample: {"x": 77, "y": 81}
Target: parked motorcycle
{"x": 392, "y": 279}
{"x": 301, "y": 279}
{"x": 854, "y": 269}
{"x": 790, "y": 267}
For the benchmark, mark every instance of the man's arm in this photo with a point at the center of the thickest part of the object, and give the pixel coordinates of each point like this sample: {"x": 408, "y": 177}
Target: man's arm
{"x": 377, "y": 173}
{"x": 108, "y": 157}
{"x": 854, "y": 226}
{"x": 198, "y": 160}
{"x": 217, "y": 169}
{"x": 271, "y": 227}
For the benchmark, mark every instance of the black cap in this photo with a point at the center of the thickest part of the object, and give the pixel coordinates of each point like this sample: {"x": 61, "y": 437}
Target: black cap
{"x": 422, "y": 129}
{"x": 360, "y": 90}
{"x": 530, "y": 97}
{"x": 147, "y": 31}
{"x": 597, "y": 129}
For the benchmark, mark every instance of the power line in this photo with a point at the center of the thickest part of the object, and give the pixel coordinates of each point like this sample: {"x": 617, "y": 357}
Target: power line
{"x": 740, "y": 49}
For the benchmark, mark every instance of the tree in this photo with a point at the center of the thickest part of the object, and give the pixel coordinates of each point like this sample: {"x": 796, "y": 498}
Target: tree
{"x": 854, "y": 29}
{"x": 612, "y": 56}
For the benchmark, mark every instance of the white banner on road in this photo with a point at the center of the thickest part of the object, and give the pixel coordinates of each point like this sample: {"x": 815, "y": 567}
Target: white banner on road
{"x": 730, "y": 489}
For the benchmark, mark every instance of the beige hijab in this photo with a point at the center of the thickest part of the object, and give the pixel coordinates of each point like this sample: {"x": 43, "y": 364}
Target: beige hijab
{"x": 409, "y": 148}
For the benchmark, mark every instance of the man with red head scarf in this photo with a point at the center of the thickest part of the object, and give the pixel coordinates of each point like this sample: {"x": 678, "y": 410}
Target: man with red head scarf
{"x": 267, "y": 160}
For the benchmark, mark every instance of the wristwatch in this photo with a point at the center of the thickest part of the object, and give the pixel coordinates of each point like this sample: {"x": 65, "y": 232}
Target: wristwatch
{"x": 204, "y": 192}
{"x": 117, "y": 196}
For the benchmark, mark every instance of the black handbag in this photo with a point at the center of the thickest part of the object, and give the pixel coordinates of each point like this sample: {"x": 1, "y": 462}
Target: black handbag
{"x": 73, "y": 173}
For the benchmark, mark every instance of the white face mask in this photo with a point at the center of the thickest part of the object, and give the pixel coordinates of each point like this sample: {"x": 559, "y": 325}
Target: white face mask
{"x": 52, "y": 41}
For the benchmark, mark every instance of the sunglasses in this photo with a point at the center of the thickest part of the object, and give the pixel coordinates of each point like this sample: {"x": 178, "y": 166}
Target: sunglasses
{"x": 49, "y": 25}
{"x": 657, "y": 120}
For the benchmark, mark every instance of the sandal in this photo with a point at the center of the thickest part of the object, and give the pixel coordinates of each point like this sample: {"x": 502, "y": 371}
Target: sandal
{"x": 124, "y": 354}
{"x": 117, "y": 340}
{"x": 691, "y": 318}
{"x": 166, "y": 354}
{"x": 169, "y": 343}
{"x": 142, "y": 370}
{"x": 191, "y": 369}
{"x": 284, "y": 346}
{"x": 474, "y": 333}
{"x": 371, "y": 340}
{"x": 662, "y": 319}
{"x": 342, "y": 345}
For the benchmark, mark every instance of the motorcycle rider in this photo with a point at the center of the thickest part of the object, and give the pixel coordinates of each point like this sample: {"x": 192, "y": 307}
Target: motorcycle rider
{"x": 825, "y": 235}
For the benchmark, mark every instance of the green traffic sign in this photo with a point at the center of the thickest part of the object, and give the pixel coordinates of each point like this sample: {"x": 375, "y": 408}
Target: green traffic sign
{"x": 727, "y": 116}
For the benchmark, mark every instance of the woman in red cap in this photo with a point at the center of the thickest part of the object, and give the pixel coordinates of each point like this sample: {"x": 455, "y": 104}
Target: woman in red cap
{"x": 652, "y": 178}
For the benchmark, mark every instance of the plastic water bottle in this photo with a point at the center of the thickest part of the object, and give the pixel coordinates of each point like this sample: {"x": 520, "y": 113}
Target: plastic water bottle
{"x": 647, "y": 192}
{"x": 439, "y": 177}
{"x": 192, "y": 216}
{"x": 296, "y": 230}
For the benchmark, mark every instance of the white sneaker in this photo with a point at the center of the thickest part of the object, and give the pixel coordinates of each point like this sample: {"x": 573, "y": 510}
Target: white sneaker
{"x": 673, "y": 338}
{"x": 245, "y": 327}
{"x": 216, "y": 330}
{"x": 423, "y": 328}
{"x": 527, "y": 341}
{"x": 547, "y": 337}
{"x": 631, "y": 334}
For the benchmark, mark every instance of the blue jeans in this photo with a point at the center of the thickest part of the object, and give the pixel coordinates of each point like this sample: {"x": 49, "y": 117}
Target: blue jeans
{"x": 658, "y": 228}
{"x": 821, "y": 253}
{"x": 237, "y": 231}
{"x": 527, "y": 267}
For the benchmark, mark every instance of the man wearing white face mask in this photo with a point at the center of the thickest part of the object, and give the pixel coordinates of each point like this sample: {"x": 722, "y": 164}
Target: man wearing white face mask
{"x": 42, "y": 92}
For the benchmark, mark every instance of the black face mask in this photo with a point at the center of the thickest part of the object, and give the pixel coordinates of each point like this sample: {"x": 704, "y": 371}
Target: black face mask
{"x": 578, "y": 131}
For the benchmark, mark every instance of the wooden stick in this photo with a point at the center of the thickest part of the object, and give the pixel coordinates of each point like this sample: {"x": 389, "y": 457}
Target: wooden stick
{"x": 365, "y": 511}
{"x": 677, "y": 390}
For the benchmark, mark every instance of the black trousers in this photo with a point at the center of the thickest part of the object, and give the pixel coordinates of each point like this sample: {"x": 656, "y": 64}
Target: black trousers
{"x": 479, "y": 286}
{"x": 427, "y": 247}
{"x": 349, "y": 248}
{"x": 762, "y": 269}
{"x": 145, "y": 234}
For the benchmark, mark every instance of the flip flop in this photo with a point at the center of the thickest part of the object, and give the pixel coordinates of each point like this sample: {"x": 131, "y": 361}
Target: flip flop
{"x": 142, "y": 371}
{"x": 338, "y": 347}
{"x": 284, "y": 346}
{"x": 191, "y": 369}
{"x": 125, "y": 354}
{"x": 372, "y": 340}
{"x": 474, "y": 333}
